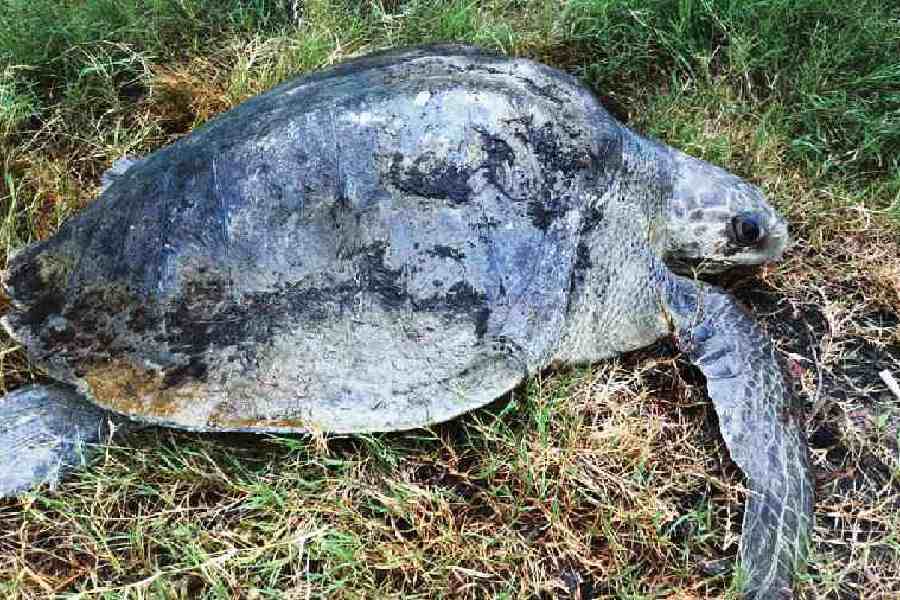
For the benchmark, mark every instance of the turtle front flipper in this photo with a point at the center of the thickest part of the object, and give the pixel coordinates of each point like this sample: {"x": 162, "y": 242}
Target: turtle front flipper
{"x": 761, "y": 427}
{"x": 44, "y": 431}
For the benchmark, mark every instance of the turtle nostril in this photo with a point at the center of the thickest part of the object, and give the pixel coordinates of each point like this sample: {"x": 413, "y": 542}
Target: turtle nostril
{"x": 747, "y": 230}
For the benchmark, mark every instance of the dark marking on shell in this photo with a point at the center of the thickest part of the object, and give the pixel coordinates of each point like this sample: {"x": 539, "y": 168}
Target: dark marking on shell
{"x": 582, "y": 265}
{"x": 563, "y": 161}
{"x": 592, "y": 219}
{"x": 498, "y": 155}
{"x": 206, "y": 318}
{"x": 431, "y": 177}
{"x": 442, "y": 251}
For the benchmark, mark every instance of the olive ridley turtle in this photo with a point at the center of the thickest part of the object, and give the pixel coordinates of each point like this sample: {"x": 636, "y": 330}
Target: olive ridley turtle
{"x": 386, "y": 244}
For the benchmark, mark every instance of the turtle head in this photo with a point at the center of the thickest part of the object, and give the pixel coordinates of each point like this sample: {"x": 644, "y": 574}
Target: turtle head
{"x": 717, "y": 220}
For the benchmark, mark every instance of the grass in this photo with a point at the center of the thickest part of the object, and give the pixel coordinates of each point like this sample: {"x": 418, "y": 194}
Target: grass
{"x": 608, "y": 482}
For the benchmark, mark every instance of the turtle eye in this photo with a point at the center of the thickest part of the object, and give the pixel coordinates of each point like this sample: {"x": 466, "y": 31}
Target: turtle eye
{"x": 747, "y": 230}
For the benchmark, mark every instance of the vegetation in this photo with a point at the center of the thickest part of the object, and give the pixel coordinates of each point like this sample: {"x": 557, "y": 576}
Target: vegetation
{"x": 608, "y": 482}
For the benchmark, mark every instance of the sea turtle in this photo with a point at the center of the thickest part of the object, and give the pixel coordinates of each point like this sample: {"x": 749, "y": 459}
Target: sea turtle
{"x": 386, "y": 244}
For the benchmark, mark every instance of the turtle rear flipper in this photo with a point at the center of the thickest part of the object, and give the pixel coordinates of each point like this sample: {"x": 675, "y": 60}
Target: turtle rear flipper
{"x": 45, "y": 431}
{"x": 761, "y": 427}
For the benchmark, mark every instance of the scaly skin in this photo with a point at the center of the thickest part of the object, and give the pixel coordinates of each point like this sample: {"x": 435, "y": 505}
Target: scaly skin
{"x": 761, "y": 426}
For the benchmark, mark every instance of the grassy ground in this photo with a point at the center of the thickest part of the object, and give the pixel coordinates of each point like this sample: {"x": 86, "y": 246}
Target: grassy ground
{"x": 608, "y": 482}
